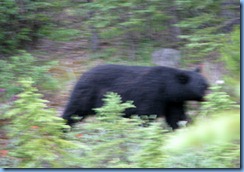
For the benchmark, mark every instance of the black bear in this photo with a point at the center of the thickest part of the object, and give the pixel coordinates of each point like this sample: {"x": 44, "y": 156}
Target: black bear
{"x": 157, "y": 90}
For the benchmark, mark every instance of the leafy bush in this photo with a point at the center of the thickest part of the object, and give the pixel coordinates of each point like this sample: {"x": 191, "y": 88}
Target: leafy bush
{"x": 230, "y": 55}
{"x": 110, "y": 139}
{"x": 114, "y": 142}
{"x": 125, "y": 25}
{"x": 217, "y": 100}
{"x": 35, "y": 132}
{"x": 230, "y": 52}
{"x": 213, "y": 141}
{"x": 62, "y": 34}
{"x": 151, "y": 153}
{"x": 203, "y": 28}
{"x": 23, "y": 22}
{"x": 24, "y": 65}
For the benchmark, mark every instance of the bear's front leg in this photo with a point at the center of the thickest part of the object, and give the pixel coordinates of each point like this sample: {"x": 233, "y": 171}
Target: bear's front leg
{"x": 174, "y": 113}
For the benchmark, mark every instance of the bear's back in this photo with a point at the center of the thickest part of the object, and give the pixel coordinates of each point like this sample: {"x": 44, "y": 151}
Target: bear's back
{"x": 110, "y": 72}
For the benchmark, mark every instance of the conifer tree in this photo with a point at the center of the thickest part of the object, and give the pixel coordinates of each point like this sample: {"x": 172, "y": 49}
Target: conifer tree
{"x": 36, "y": 133}
{"x": 111, "y": 139}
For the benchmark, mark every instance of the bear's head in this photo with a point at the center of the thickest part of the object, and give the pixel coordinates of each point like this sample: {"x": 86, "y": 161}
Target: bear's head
{"x": 190, "y": 85}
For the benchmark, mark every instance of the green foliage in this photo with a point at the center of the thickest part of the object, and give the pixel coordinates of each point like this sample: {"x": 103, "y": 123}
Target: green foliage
{"x": 63, "y": 34}
{"x": 112, "y": 100}
{"x": 151, "y": 154}
{"x": 129, "y": 29}
{"x": 120, "y": 15}
{"x": 214, "y": 138}
{"x": 213, "y": 141}
{"x": 36, "y": 132}
{"x": 141, "y": 56}
{"x": 230, "y": 55}
{"x": 110, "y": 139}
{"x": 127, "y": 24}
{"x": 201, "y": 28}
{"x": 215, "y": 145}
{"x": 22, "y": 22}
{"x": 230, "y": 52}
{"x": 217, "y": 100}
{"x": 225, "y": 155}
{"x": 21, "y": 66}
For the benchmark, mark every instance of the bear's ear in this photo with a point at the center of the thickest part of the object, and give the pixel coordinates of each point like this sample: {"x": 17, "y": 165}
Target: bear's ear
{"x": 198, "y": 69}
{"x": 183, "y": 78}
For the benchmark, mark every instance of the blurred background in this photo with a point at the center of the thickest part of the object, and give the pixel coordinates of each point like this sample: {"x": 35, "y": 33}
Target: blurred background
{"x": 46, "y": 45}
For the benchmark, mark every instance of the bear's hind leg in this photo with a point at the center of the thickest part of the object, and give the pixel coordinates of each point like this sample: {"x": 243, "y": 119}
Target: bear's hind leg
{"x": 80, "y": 104}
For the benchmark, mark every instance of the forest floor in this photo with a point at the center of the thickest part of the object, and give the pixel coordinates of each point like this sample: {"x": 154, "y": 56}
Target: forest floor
{"x": 73, "y": 60}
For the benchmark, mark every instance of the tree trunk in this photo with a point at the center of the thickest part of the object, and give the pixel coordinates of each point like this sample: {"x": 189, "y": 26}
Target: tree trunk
{"x": 94, "y": 40}
{"x": 175, "y": 31}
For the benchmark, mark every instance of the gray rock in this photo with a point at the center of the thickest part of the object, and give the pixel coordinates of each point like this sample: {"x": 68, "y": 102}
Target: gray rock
{"x": 166, "y": 57}
{"x": 213, "y": 71}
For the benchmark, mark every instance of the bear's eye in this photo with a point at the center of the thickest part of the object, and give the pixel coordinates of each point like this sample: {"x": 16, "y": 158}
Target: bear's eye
{"x": 205, "y": 86}
{"x": 183, "y": 78}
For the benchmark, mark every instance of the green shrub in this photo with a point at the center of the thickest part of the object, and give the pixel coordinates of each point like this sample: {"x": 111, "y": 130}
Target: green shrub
{"x": 63, "y": 34}
{"x": 22, "y": 22}
{"x": 230, "y": 55}
{"x": 230, "y": 52}
{"x": 110, "y": 139}
{"x": 151, "y": 153}
{"x": 24, "y": 65}
{"x": 213, "y": 141}
{"x": 217, "y": 100}
{"x": 36, "y": 133}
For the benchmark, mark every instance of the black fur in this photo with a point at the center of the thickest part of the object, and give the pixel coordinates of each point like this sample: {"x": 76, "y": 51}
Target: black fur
{"x": 154, "y": 90}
